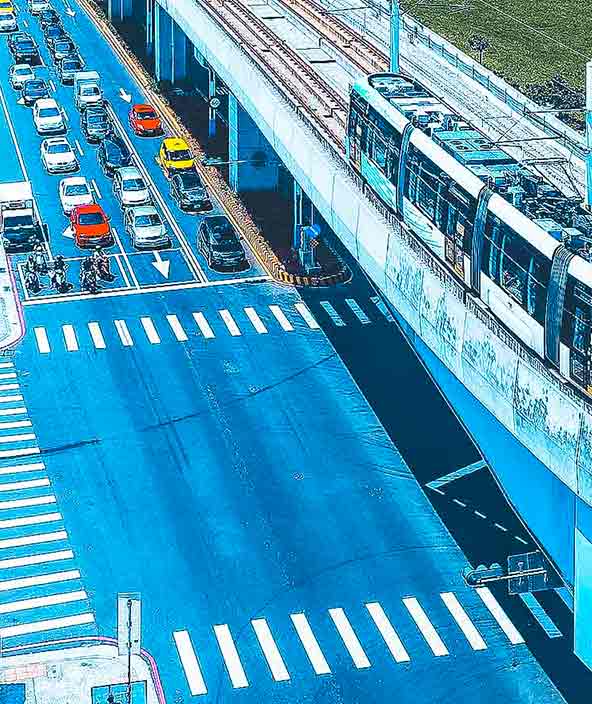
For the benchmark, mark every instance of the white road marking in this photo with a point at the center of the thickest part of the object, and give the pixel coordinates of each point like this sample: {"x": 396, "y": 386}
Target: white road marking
{"x": 11, "y": 399}
{"x": 95, "y": 188}
{"x": 15, "y": 141}
{"x": 123, "y": 333}
{"x": 503, "y": 528}
{"x": 6, "y": 365}
{"x": 22, "y": 503}
{"x": 203, "y": 325}
{"x": 231, "y": 658}
{"x": 380, "y": 304}
{"x": 278, "y": 314}
{"x": 358, "y": 312}
{"x": 17, "y": 438}
{"x": 42, "y": 601}
{"x": 31, "y": 520}
{"x": 9, "y": 387}
{"x": 177, "y": 328}
{"x": 478, "y": 513}
{"x": 49, "y": 625}
{"x": 333, "y": 314}
{"x": 457, "y": 474}
{"x": 40, "y": 559}
{"x": 150, "y": 330}
{"x": 52, "y": 86}
{"x": 190, "y": 664}
{"x": 125, "y": 257}
{"x": 35, "y": 539}
{"x": 464, "y": 622}
{"x": 425, "y": 626}
{"x": 460, "y": 503}
{"x": 274, "y": 659}
{"x": 349, "y": 638}
{"x": 38, "y": 580}
{"x": 19, "y": 468}
{"x": 499, "y": 615}
{"x": 542, "y": 617}
{"x": 80, "y": 151}
{"x": 20, "y": 452}
{"x": 307, "y": 316}
{"x": 42, "y": 341}
{"x": 310, "y": 644}
{"x": 97, "y": 336}
{"x": 122, "y": 270}
{"x": 8, "y": 375}
{"x": 25, "y": 23}
{"x": 233, "y": 328}
{"x": 255, "y": 320}
{"x": 17, "y": 411}
{"x": 29, "y": 484}
{"x": 390, "y": 636}
{"x": 524, "y": 542}
{"x": 16, "y": 424}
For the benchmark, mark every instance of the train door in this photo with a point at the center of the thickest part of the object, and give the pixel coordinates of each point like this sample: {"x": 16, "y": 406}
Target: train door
{"x": 577, "y": 322}
{"x": 357, "y": 127}
{"x": 455, "y": 229}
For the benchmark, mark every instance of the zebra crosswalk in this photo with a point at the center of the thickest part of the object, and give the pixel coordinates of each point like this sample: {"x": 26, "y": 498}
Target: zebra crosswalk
{"x": 477, "y": 627}
{"x": 208, "y": 325}
{"x": 41, "y": 592}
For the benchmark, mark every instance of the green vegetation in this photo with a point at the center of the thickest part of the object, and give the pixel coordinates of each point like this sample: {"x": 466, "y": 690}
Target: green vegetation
{"x": 517, "y": 53}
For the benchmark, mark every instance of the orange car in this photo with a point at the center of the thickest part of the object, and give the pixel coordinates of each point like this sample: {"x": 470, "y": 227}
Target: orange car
{"x": 144, "y": 121}
{"x": 91, "y": 226}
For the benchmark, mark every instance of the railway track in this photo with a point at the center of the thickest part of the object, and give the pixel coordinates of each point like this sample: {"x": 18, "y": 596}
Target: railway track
{"x": 310, "y": 95}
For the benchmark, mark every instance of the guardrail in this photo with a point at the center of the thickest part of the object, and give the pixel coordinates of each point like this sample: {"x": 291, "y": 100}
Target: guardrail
{"x": 512, "y": 97}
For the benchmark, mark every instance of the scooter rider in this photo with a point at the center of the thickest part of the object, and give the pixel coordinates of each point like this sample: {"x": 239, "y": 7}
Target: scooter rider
{"x": 57, "y": 275}
{"x": 88, "y": 276}
{"x": 39, "y": 258}
{"x": 102, "y": 265}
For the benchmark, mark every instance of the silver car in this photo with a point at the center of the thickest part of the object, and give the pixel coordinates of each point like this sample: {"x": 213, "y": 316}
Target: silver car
{"x": 19, "y": 74}
{"x": 145, "y": 228}
{"x": 129, "y": 187}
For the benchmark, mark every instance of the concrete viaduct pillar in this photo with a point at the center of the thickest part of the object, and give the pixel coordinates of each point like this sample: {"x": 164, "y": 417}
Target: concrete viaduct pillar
{"x": 119, "y": 10}
{"x": 170, "y": 48}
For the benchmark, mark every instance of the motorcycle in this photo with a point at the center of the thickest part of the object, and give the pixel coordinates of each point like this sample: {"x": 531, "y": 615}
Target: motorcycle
{"x": 88, "y": 280}
{"x": 57, "y": 279}
{"x": 32, "y": 283}
{"x": 102, "y": 268}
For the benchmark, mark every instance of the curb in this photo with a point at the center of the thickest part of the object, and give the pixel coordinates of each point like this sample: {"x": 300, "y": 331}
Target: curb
{"x": 234, "y": 208}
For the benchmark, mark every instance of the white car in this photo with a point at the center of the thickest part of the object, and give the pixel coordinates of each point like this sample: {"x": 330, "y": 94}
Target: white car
{"x": 37, "y": 6}
{"x": 19, "y": 74}
{"x": 58, "y": 156}
{"x": 48, "y": 117}
{"x": 130, "y": 188}
{"x": 146, "y": 228}
{"x": 74, "y": 191}
{"x": 8, "y": 22}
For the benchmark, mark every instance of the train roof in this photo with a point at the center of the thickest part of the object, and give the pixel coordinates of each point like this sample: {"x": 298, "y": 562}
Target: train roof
{"x": 529, "y": 192}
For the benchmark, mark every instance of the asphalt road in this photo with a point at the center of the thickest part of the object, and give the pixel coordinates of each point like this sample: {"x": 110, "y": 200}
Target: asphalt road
{"x": 207, "y": 447}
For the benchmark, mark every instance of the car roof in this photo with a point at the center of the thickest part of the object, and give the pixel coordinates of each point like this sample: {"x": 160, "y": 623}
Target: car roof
{"x": 129, "y": 171}
{"x": 175, "y": 143}
{"x": 90, "y": 208}
{"x": 46, "y": 103}
{"x": 143, "y": 210}
{"x": 15, "y": 66}
{"x": 217, "y": 220}
{"x": 75, "y": 181}
{"x": 142, "y": 107}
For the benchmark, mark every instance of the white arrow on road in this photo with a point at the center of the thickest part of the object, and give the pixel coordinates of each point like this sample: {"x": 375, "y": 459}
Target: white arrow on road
{"x": 162, "y": 265}
{"x": 70, "y": 11}
{"x": 125, "y": 96}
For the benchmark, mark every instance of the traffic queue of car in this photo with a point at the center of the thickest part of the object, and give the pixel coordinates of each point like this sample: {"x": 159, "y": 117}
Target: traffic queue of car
{"x": 216, "y": 238}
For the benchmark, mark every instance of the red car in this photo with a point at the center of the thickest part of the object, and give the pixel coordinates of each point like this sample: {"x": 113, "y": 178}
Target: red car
{"x": 144, "y": 121}
{"x": 91, "y": 226}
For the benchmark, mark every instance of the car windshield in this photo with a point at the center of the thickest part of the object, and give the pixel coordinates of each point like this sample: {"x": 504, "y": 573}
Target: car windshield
{"x": 60, "y": 148}
{"x": 181, "y": 155}
{"x": 71, "y": 65}
{"x": 97, "y": 119}
{"x": 90, "y": 90}
{"x": 133, "y": 184}
{"x": 91, "y": 219}
{"x": 17, "y": 221}
{"x": 147, "y": 220}
{"x": 147, "y": 115}
{"x": 23, "y": 72}
{"x": 35, "y": 85}
{"x": 49, "y": 112}
{"x": 63, "y": 46}
{"x": 190, "y": 182}
{"x": 25, "y": 44}
{"x": 77, "y": 189}
{"x": 9, "y": 17}
{"x": 225, "y": 243}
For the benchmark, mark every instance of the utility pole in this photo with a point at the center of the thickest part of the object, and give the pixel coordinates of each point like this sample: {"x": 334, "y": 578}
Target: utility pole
{"x": 129, "y": 651}
{"x": 395, "y": 30}
{"x": 589, "y": 134}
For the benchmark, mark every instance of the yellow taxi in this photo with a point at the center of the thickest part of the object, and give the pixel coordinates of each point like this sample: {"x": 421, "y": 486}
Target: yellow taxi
{"x": 7, "y": 7}
{"x": 174, "y": 155}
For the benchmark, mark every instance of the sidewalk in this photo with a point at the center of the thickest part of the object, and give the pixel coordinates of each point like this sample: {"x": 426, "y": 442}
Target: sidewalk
{"x": 12, "y": 326}
{"x": 79, "y": 675}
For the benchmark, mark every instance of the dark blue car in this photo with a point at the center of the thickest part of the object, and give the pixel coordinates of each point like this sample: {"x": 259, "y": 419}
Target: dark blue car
{"x": 33, "y": 90}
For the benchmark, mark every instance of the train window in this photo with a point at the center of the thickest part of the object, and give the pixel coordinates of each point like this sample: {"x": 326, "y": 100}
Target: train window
{"x": 383, "y": 145}
{"x": 423, "y": 186}
{"x": 577, "y": 316}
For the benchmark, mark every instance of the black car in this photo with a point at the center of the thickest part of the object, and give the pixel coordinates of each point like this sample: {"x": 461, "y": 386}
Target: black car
{"x": 113, "y": 154}
{"x": 16, "y": 37}
{"x": 33, "y": 90}
{"x": 49, "y": 17}
{"x": 61, "y": 48}
{"x": 189, "y": 192}
{"x": 25, "y": 51}
{"x": 52, "y": 32}
{"x": 218, "y": 242}
{"x": 68, "y": 66}
{"x": 95, "y": 124}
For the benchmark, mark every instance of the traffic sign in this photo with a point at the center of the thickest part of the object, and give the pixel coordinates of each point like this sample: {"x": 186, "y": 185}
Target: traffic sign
{"x": 215, "y": 102}
{"x": 129, "y": 623}
{"x": 542, "y": 576}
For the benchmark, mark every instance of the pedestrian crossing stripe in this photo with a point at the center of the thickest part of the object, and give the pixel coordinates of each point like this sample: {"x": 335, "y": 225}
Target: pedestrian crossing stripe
{"x": 153, "y": 330}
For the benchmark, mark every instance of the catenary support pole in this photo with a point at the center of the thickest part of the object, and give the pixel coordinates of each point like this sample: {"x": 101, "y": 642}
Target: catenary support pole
{"x": 395, "y": 29}
{"x": 589, "y": 134}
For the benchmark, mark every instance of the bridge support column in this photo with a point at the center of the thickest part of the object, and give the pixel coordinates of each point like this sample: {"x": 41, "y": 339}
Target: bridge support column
{"x": 150, "y": 27}
{"x": 253, "y": 165}
{"x": 395, "y": 29}
{"x": 303, "y": 213}
{"x": 583, "y": 588}
{"x": 163, "y": 44}
{"x": 589, "y": 134}
{"x": 179, "y": 54}
{"x": 119, "y": 10}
